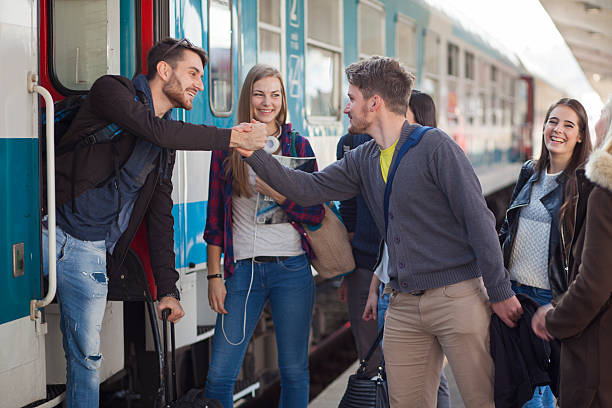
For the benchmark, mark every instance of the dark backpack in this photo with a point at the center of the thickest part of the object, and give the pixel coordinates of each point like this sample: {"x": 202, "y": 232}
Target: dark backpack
{"x": 66, "y": 111}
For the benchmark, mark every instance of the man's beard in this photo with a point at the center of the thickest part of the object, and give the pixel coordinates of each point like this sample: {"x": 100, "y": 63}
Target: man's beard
{"x": 359, "y": 125}
{"x": 176, "y": 94}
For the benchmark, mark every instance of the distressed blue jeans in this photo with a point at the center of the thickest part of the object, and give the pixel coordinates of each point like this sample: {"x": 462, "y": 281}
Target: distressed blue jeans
{"x": 289, "y": 287}
{"x": 81, "y": 293}
{"x": 542, "y": 396}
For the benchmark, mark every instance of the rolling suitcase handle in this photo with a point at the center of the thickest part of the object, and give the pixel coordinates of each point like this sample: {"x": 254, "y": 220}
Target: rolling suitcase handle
{"x": 165, "y": 314}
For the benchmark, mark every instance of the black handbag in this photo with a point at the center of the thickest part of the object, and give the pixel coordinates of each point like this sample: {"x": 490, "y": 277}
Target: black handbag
{"x": 364, "y": 392}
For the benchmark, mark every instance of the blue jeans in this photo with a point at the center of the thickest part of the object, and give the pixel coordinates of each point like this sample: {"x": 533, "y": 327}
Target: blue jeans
{"x": 289, "y": 287}
{"x": 443, "y": 390}
{"x": 81, "y": 293}
{"x": 542, "y": 396}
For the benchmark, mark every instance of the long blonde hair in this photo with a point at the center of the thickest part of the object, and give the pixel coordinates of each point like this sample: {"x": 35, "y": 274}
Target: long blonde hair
{"x": 234, "y": 165}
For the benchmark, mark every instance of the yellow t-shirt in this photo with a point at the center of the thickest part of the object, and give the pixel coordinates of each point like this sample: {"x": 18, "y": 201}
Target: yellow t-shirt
{"x": 385, "y": 160}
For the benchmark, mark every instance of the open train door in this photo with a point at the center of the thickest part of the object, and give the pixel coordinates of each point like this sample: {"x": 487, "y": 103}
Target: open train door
{"x": 22, "y": 351}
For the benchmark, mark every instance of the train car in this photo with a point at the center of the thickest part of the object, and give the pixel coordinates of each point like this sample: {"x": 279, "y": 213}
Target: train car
{"x": 60, "y": 47}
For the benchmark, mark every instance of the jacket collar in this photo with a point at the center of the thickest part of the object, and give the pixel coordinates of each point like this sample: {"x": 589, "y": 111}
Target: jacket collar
{"x": 141, "y": 84}
{"x": 599, "y": 169}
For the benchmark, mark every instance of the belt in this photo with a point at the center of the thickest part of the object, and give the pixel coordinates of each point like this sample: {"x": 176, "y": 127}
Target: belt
{"x": 270, "y": 259}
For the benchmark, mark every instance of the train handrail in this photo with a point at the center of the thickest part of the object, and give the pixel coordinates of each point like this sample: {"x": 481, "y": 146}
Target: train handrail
{"x": 50, "y": 137}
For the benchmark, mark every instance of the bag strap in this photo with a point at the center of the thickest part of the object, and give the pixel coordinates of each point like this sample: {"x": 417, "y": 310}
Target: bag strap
{"x": 364, "y": 363}
{"x": 413, "y": 139}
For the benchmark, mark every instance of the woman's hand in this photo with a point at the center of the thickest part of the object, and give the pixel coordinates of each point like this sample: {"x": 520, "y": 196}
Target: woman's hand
{"x": 538, "y": 322}
{"x": 263, "y": 188}
{"x": 216, "y": 295}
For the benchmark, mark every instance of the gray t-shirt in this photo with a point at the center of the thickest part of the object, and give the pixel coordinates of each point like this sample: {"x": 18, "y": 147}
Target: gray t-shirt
{"x": 271, "y": 235}
{"x": 529, "y": 257}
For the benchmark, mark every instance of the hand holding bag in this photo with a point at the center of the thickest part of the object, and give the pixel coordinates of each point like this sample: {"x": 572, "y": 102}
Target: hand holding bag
{"x": 363, "y": 392}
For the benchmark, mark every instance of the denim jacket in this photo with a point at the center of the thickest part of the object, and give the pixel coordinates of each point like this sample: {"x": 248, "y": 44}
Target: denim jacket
{"x": 557, "y": 262}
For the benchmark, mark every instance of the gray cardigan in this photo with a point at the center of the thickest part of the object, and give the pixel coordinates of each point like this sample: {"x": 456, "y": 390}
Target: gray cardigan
{"x": 440, "y": 229}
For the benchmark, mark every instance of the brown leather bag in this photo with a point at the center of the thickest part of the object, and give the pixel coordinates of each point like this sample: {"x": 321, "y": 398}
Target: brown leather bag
{"x": 331, "y": 246}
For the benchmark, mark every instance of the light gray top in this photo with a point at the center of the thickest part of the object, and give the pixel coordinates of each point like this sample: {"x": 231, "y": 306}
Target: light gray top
{"x": 270, "y": 234}
{"x": 529, "y": 257}
{"x": 440, "y": 229}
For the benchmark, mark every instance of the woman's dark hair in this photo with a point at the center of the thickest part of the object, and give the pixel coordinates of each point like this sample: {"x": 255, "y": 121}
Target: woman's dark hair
{"x": 423, "y": 108}
{"x": 579, "y": 157}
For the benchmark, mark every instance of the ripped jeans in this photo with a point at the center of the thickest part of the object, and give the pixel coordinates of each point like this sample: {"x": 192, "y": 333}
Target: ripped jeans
{"x": 81, "y": 294}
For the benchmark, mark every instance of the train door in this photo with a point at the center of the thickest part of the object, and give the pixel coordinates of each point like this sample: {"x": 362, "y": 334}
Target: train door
{"x": 21, "y": 338}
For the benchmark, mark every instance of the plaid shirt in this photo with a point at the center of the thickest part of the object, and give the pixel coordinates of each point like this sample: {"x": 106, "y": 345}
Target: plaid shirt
{"x": 219, "y": 215}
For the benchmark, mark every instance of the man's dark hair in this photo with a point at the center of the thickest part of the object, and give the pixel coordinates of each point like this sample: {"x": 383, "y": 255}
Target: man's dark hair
{"x": 171, "y": 50}
{"x": 385, "y": 77}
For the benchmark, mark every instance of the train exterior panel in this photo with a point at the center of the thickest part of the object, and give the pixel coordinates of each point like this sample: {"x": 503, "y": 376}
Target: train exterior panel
{"x": 22, "y": 355}
{"x": 482, "y": 103}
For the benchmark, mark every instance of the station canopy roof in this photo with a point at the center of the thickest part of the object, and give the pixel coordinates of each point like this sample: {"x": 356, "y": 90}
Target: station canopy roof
{"x": 586, "y": 27}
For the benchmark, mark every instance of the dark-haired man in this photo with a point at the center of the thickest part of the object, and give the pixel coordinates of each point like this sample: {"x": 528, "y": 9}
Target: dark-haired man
{"x": 105, "y": 190}
{"x": 441, "y": 239}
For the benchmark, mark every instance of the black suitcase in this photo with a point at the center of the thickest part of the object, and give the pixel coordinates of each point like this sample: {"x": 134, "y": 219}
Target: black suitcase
{"x": 194, "y": 398}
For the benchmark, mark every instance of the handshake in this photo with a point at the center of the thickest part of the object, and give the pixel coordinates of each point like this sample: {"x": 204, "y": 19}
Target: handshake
{"x": 247, "y": 137}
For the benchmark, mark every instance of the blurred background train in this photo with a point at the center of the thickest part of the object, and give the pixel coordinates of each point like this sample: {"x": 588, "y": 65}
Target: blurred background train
{"x": 486, "y": 101}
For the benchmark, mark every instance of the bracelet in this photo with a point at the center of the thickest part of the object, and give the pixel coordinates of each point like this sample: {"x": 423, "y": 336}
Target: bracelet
{"x": 213, "y": 276}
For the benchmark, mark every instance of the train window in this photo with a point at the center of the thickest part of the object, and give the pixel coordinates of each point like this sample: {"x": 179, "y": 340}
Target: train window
{"x": 322, "y": 84}
{"x": 220, "y": 47}
{"x": 324, "y": 22}
{"x": 323, "y": 59}
{"x": 371, "y": 32}
{"x": 432, "y": 53}
{"x": 85, "y": 42}
{"x": 452, "y": 60}
{"x": 469, "y": 65}
{"x": 406, "y": 41}
{"x": 270, "y": 50}
{"x": 431, "y": 80}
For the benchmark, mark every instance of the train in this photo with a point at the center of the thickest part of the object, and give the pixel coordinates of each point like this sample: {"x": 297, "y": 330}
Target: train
{"x": 52, "y": 49}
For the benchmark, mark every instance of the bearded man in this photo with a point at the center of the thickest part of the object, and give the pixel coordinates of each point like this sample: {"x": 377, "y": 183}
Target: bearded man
{"x": 106, "y": 190}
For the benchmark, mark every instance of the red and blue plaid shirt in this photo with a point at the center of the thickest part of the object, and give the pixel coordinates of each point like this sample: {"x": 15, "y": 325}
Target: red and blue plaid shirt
{"x": 219, "y": 214}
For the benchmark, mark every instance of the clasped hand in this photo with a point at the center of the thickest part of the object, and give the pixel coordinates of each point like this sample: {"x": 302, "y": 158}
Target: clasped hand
{"x": 247, "y": 137}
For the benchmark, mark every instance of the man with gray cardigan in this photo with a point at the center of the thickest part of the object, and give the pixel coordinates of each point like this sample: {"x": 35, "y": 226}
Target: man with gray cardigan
{"x": 441, "y": 239}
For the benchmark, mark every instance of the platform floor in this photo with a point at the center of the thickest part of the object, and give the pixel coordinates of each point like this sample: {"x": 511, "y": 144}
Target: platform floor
{"x": 493, "y": 178}
{"x": 330, "y": 397}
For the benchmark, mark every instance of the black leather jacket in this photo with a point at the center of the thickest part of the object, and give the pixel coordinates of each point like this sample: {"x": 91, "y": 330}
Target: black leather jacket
{"x": 557, "y": 261}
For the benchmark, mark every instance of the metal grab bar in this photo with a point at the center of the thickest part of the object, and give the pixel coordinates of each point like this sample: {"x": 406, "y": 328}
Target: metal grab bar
{"x": 50, "y": 136}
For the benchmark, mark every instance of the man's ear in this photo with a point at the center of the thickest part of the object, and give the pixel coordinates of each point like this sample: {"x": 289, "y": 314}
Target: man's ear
{"x": 164, "y": 70}
{"x": 375, "y": 103}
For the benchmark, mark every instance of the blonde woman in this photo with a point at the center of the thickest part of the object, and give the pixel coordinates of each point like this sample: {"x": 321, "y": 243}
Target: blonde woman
{"x": 266, "y": 252}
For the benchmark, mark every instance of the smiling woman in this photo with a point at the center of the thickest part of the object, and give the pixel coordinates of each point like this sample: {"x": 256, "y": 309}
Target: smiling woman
{"x": 540, "y": 216}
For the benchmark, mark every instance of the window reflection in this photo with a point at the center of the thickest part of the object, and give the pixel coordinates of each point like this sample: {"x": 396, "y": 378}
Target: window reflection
{"x": 320, "y": 70}
{"x": 80, "y": 42}
{"x": 220, "y": 52}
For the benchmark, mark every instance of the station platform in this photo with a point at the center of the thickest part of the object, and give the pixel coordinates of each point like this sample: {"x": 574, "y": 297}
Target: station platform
{"x": 494, "y": 178}
{"x": 330, "y": 397}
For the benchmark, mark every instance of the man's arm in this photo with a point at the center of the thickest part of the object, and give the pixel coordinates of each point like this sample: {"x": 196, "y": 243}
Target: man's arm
{"x": 160, "y": 234}
{"x": 112, "y": 100}
{"x": 338, "y": 181}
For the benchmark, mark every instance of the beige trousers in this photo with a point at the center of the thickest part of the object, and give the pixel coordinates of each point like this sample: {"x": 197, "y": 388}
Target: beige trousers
{"x": 419, "y": 330}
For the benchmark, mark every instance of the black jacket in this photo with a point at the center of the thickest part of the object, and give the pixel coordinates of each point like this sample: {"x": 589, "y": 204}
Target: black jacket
{"x": 112, "y": 99}
{"x": 522, "y": 360}
{"x": 557, "y": 262}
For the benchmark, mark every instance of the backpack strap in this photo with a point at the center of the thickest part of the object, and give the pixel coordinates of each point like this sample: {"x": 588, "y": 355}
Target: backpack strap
{"x": 413, "y": 139}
